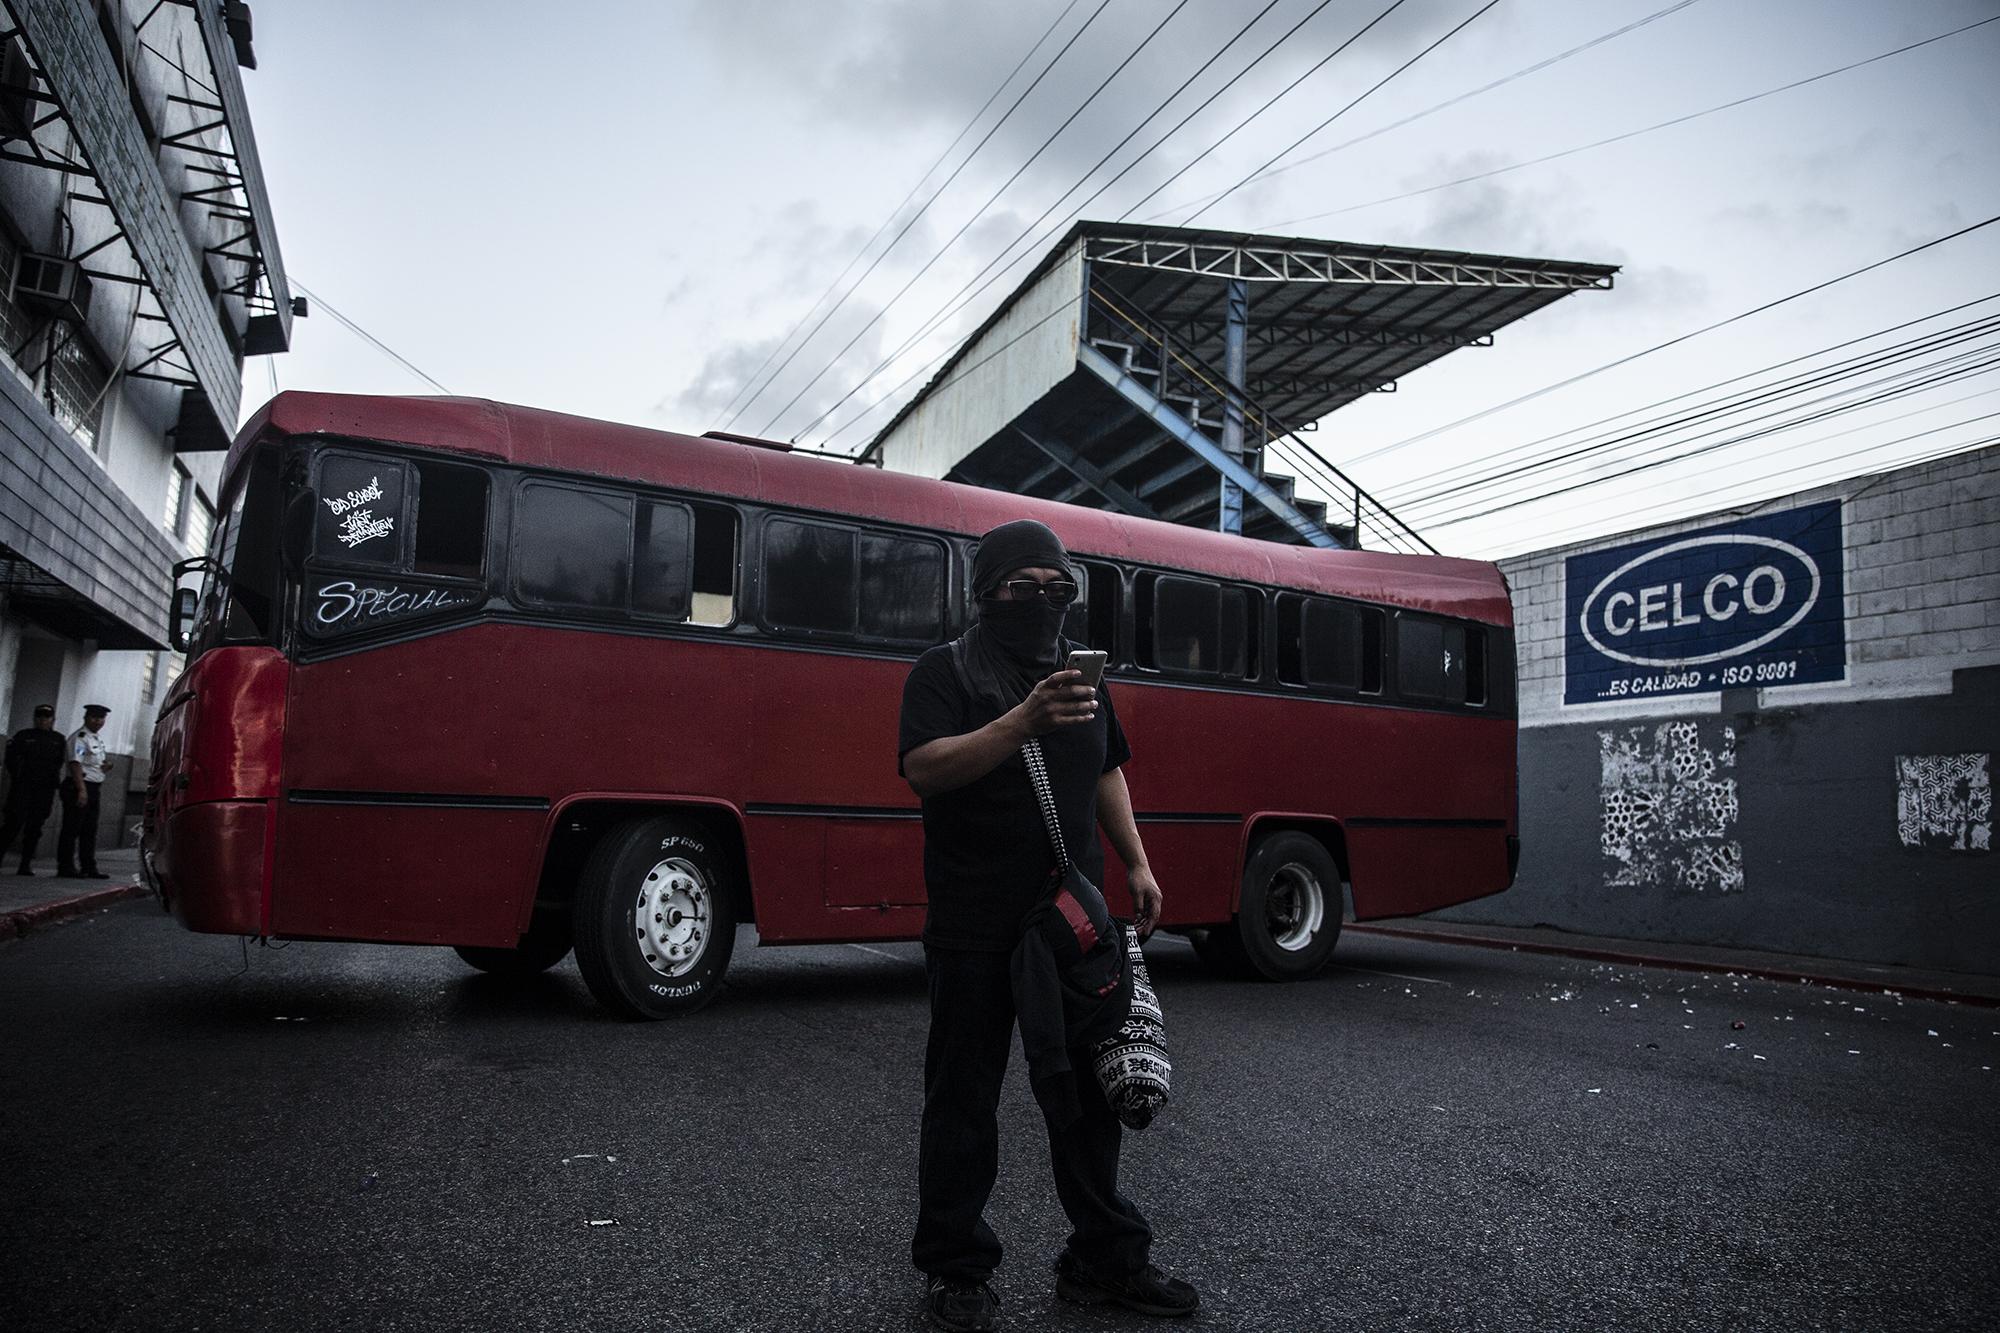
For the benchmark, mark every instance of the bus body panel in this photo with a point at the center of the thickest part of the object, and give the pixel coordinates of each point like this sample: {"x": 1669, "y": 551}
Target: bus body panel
{"x": 820, "y": 735}
{"x": 406, "y": 874}
{"x": 1270, "y": 753}
{"x": 211, "y": 863}
{"x": 216, "y": 756}
{"x": 471, "y": 777}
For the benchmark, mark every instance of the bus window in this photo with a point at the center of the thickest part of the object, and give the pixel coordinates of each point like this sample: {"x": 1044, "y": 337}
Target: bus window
{"x": 361, "y": 510}
{"x": 1192, "y": 625}
{"x": 1329, "y": 644}
{"x": 808, "y": 576}
{"x": 713, "y": 601}
{"x": 1430, "y": 660}
{"x": 902, "y": 588}
{"x": 662, "y": 560}
{"x": 1093, "y": 618}
{"x": 248, "y": 554}
{"x": 1475, "y": 667}
{"x": 823, "y": 578}
{"x": 451, "y": 520}
{"x": 572, "y": 547}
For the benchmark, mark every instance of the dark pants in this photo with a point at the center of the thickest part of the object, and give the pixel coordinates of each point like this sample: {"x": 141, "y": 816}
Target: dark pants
{"x": 27, "y": 811}
{"x": 76, "y": 845}
{"x": 972, "y": 1034}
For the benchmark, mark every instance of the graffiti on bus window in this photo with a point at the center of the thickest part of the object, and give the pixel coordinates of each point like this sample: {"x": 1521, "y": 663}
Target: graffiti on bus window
{"x": 361, "y": 525}
{"x": 346, "y": 603}
{"x": 1669, "y": 808}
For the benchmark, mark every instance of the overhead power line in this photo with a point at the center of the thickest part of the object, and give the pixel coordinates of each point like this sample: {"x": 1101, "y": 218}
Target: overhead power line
{"x": 1433, "y": 109}
{"x": 977, "y": 214}
{"x": 730, "y": 409}
{"x": 974, "y": 286}
{"x": 1372, "y": 90}
{"x": 1054, "y": 60}
{"x": 1653, "y": 509}
{"x": 1272, "y": 101}
{"x": 1732, "y": 442}
{"x": 1628, "y": 134}
{"x": 1736, "y": 405}
{"x": 1627, "y": 360}
{"x": 366, "y": 336}
{"x": 1452, "y": 474}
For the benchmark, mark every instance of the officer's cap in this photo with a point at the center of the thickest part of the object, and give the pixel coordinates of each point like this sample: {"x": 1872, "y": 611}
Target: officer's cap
{"x": 98, "y": 710}
{"x": 45, "y": 710}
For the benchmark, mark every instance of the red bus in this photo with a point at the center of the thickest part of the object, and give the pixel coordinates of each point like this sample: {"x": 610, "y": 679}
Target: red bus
{"x": 514, "y": 682}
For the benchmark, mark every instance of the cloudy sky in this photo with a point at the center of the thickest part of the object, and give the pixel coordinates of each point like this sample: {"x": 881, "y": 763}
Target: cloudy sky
{"x": 622, "y": 209}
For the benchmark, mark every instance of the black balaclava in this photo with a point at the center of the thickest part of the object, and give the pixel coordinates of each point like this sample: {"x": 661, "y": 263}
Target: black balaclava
{"x": 1013, "y": 645}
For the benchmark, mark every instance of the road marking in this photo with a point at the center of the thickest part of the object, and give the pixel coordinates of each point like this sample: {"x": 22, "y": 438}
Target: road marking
{"x": 894, "y": 958}
{"x": 1432, "y": 981}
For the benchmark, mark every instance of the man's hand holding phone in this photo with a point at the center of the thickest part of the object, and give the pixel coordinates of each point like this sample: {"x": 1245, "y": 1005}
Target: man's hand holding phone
{"x": 1061, "y": 700}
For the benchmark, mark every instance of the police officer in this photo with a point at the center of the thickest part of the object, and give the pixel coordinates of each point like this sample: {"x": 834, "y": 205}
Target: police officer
{"x": 83, "y": 797}
{"x": 34, "y": 767}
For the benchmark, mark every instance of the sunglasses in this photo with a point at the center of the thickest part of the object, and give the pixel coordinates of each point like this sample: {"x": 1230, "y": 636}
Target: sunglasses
{"x": 1058, "y": 592}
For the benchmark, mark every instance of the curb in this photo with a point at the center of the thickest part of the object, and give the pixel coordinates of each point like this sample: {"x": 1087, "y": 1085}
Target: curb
{"x": 15, "y": 924}
{"x": 1631, "y": 958}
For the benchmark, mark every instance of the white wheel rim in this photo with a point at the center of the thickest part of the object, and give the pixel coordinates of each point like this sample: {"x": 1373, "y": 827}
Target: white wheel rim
{"x": 1294, "y": 907}
{"x": 672, "y": 918}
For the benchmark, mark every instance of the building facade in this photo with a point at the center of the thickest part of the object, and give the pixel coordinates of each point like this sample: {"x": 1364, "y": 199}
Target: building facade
{"x": 1772, "y": 727}
{"x": 139, "y": 267}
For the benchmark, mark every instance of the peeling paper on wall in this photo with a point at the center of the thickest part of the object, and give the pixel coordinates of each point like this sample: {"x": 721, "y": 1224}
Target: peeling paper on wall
{"x": 1945, "y": 801}
{"x": 1669, "y": 808}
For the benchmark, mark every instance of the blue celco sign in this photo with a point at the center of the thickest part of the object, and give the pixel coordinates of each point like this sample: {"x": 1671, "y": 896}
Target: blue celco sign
{"x": 1754, "y": 602}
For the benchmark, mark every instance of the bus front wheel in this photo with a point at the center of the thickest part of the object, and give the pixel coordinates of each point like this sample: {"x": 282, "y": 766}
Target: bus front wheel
{"x": 655, "y": 920}
{"x": 1289, "y": 917}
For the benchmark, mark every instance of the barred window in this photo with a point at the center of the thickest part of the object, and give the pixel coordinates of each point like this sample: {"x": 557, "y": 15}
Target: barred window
{"x": 178, "y": 486}
{"x": 18, "y": 326}
{"x": 201, "y": 523}
{"x": 74, "y": 383}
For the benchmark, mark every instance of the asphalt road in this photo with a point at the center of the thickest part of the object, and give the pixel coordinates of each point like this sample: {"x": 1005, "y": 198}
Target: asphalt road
{"x": 1427, "y": 1136}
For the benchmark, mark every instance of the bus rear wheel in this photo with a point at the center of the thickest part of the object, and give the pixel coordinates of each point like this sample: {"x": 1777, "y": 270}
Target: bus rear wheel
{"x": 1289, "y": 917}
{"x": 654, "y": 918}
{"x": 546, "y": 944}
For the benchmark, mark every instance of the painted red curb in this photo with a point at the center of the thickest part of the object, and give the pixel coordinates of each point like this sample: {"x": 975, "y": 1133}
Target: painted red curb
{"x": 1631, "y": 959}
{"x": 17, "y": 923}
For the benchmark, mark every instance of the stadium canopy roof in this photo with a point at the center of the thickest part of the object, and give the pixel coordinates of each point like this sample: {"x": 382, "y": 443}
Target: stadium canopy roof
{"x": 1148, "y": 310}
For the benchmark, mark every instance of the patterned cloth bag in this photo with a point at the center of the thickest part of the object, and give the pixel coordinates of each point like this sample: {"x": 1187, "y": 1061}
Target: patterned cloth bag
{"x": 1132, "y": 1065}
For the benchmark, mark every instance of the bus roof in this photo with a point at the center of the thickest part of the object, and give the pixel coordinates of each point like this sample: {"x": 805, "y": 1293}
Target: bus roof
{"x": 531, "y": 437}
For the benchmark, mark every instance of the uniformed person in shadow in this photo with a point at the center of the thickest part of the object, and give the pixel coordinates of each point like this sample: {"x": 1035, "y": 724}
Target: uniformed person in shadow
{"x": 35, "y": 757}
{"x": 83, "y": 797}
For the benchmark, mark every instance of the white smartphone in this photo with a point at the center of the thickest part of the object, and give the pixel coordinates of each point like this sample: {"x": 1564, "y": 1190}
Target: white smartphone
{"x": 1091, "y": 664}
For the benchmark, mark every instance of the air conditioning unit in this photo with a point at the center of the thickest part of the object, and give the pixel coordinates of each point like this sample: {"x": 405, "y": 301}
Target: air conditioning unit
{"x": 17, "y": 91}
{"x": 53, "y": 284}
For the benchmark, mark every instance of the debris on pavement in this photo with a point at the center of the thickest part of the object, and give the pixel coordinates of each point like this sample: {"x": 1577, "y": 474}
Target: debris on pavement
{"x": 600, "y": 1222}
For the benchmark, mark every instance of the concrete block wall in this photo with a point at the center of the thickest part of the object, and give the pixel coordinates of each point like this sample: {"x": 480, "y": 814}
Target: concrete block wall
{"x": 1848, "y": 818}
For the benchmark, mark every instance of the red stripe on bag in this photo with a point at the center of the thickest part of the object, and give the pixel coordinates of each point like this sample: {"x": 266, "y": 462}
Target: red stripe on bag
{"x": 1079, "y": 920}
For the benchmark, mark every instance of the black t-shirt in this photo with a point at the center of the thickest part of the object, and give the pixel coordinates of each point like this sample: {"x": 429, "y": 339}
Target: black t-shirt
{"x": 986, "y": 852}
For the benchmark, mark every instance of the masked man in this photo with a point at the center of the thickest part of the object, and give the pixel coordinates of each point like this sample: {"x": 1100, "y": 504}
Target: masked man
{"x": 967, "y": 709}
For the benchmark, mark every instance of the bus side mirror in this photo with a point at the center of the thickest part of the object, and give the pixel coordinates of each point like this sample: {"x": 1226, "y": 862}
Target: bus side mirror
{"x": 295, "y": 537}
{"x": 186, "y": 602}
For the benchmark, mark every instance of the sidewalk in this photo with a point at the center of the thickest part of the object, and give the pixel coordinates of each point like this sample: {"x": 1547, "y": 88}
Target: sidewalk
{"x": 1962, "y": 987}
{"x": 31, "y": 903}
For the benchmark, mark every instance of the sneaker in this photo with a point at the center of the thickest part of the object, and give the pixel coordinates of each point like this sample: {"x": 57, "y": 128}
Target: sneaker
{"x": 963, "y": 1307}
{"x": 1149, "y": 1291}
